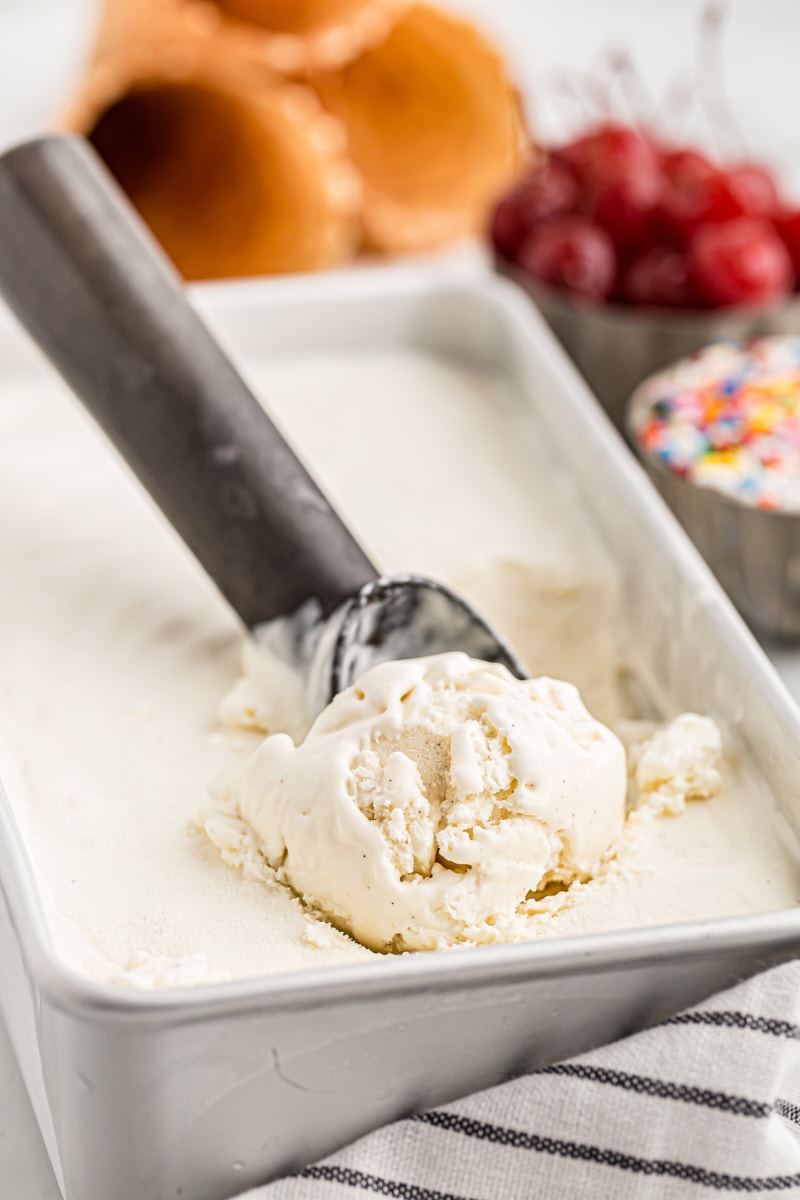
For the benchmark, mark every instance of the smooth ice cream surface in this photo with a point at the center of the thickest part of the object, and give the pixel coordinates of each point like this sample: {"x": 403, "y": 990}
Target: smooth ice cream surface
{"x": 115, "y": 652}
{"x": 430, "y": 800}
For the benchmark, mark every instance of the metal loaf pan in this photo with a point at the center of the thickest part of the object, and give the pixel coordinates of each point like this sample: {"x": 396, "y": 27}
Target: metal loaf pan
{"x": 204, "y": 1092}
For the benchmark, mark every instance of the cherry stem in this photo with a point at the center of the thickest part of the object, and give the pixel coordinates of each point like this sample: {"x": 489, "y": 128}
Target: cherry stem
{"x": 678, "y": 103}
{"x": 711, "y": 88}
{"x": 562, "y": 84}
{"x": 598, "y": 90}
{"x": 632, "y": 89}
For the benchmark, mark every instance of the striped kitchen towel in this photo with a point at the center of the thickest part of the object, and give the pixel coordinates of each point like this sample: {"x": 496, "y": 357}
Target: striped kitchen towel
{"x": 708, "y": 1103}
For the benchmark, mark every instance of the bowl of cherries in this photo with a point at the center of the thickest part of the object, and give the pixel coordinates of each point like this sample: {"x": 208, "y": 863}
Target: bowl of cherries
{"x": 639, "y": 253}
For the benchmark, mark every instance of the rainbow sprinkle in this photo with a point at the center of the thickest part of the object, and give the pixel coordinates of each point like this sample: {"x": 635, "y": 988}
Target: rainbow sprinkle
{"x": 728, "y": 418}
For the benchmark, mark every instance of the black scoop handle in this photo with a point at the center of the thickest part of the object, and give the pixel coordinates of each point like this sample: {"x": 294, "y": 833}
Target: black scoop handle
{"x": 89, "y": 283}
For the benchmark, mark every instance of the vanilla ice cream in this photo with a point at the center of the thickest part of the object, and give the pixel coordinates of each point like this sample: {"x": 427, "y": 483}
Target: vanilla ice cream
{"x": 115, "y": 652}
{"x": 428, "y": 801}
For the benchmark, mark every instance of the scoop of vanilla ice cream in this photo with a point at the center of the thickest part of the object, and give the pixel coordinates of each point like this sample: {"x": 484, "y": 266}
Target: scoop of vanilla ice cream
{"x": 429, "y": 800}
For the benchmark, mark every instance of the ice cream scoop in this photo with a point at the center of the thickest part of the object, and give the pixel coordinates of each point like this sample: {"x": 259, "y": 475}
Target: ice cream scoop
{"x": 89, "y": 283}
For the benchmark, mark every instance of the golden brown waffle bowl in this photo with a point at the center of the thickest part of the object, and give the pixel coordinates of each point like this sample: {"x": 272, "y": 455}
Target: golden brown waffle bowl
{"x": 297, "y": 37}
{"x": 126, "y": 25}
{"x": 233, "y": 175}
{"x": 434, "y": 127}
{"x": 290, "y": 37}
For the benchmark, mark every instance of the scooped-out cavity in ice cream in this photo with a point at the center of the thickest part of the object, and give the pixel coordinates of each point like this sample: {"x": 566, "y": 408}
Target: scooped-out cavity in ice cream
{"x": 429, "y": 801}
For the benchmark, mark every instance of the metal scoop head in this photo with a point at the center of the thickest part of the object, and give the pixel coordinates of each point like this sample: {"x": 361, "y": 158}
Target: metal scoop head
{"x": 398, "y": 616}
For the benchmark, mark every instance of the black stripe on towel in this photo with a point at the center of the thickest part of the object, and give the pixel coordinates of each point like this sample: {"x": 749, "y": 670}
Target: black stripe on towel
{"x": 395, "y": 1188}
{"x": 663, "y": 1089}
{"x": 517, "y": 1139}
{"x": 738, "y": 1020}
{"x": 790, "y": 1112}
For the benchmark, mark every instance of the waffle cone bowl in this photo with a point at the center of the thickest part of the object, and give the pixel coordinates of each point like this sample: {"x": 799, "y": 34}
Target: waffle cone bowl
{"x": 233, "y": 177}
{"x": 434, "y": 128}
{"x": 287, "y": 37}
{"x": 398, "y": 137}
{"x": 297, "y": 37}
{"x": 126, "y": 25}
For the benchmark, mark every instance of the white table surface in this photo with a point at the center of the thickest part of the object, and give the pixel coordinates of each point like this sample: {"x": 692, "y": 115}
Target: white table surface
{"x": 543, "y": 40}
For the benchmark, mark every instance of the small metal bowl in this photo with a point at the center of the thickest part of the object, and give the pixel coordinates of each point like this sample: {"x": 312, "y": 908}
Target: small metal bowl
{"x": 754, "y": 552}
{"x": 615, "y": 347}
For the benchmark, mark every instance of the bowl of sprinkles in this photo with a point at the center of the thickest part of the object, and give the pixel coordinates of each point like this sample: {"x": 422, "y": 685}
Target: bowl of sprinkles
{"x": 719, "y": 434}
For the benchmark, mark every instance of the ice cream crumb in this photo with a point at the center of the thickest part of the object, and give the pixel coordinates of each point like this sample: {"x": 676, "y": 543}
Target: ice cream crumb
{"x": 269, "y": 696}
{"x": 147, "y": 972}
{"x": 680, "y": 763}
{"x": 237, "y": 845}
{"x": 322, "y": 936}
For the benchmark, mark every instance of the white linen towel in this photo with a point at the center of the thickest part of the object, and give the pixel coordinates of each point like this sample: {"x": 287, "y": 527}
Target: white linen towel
{"x": 707, "y": 1103}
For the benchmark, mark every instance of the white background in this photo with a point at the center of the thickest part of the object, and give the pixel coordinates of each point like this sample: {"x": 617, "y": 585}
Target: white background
{"x": 41, "y": 47}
